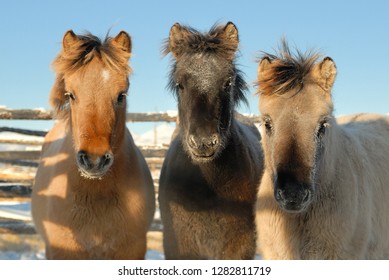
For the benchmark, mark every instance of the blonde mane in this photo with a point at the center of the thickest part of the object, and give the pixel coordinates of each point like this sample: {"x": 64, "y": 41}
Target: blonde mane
{"x": 288, "y": 70}
{"x": 88, "y": 47}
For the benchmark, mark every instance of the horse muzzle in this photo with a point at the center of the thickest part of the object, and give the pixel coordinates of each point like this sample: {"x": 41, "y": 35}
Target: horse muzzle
{"x": 94, "y": 166}
{"x": 293, "y": 199}
{"x": 203, "y": 149}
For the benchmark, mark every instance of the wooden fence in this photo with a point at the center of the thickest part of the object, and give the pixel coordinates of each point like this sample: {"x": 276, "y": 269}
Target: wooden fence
{"x": 17, "y": 186}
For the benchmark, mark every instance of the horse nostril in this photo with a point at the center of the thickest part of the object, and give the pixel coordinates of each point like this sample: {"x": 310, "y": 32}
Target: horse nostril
{"x": 306, "y": 196}
{"x": 214, "y": 140}
{"x": 192, "y": 141}
{"x": 106, "y": 160}
{"x": 279, "y": 194}
{"x": 83, "y": 159}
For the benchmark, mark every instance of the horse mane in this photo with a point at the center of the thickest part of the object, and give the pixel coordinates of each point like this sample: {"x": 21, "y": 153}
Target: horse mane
{"x": 207, "y": 43}
{"x": 88, "y": 47}
{"x": 287, "y": 70}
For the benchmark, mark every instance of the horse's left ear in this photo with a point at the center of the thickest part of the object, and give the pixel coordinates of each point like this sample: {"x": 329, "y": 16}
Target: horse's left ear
{"x": 324, "y": 73}
{"x": 123, "y": 41}
{"x": 230, "y": 38}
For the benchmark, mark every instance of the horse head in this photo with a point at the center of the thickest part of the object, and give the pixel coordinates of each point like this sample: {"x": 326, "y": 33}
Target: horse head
{"x": 207, "y": 85}
{"x": 296, "y": 108}
{"x": 90, "y": 91}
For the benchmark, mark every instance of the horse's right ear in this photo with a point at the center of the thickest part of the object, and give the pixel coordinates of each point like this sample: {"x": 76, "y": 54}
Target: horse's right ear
{"x": 177, "y": 40}
{"x": 57, "y": 98}
{"x": 324, "y": 74}
{"x": 230, "y": 34}
{"x": 263, "y": 67}
{"x": 123, "y": 41}
{"x": 69, "y": 40}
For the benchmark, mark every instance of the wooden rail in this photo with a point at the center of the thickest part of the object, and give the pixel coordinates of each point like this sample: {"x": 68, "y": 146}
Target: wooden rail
{"x": 41, "y": 114}
{"x": 35, "y": 154}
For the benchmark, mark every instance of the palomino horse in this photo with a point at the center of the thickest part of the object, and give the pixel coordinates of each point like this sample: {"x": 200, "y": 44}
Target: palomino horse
{"x": 325, "y": 190}
{"x": 93, "y": 196}
{"x": 212, "y": 170}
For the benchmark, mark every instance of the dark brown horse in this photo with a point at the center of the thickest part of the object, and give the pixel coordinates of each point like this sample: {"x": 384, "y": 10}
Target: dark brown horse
{"x": 93, "y": 196}
{"x": 210, "y": 175}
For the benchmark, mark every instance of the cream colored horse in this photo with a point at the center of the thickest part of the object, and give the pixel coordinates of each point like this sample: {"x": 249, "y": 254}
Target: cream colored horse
{"x": 93, "y": 196}
{"x": 325, "y": 190}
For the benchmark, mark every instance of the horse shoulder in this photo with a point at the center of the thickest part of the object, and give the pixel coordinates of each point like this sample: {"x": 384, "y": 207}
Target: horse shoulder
{"x": 55, "y": 139}
{"x": 51, "y": 179}
{"x": 360, "y": 152}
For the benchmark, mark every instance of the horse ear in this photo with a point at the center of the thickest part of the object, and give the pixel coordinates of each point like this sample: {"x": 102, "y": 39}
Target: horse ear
{"x": 69, "y": 40}
{"x": 177, "y": 37}
{"x": 230, "y": 34}
{"x": 324, "y": 73}
{"x": 264, "y": 75}
{"x": 123, "y": 41}
{"x": 263, "y": 66}
{"x": 57, "y": 95}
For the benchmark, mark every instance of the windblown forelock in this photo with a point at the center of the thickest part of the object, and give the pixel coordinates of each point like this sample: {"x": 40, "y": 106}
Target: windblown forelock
{"x": 198, "y": 42}
{"x": 287, "y": 70}
{"x": 88, "y": 47}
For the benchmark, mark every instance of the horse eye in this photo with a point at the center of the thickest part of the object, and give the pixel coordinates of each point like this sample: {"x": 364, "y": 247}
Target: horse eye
{"x": 179, "y": 86}
{"x": 268, "y": 125}
{"x": 121, "y": 98}
{"x": 322, "y": 129}
{"x": 228, "y": 84}
{"x": 70, "y": 95}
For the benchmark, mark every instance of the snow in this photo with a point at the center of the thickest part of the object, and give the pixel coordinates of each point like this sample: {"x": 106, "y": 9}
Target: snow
{"x": 15, "y": 255}
{"x": 158, "y": 136}
{"x": 18, "y": 147}
{"x": 15, "y": 210}
{"x": 172, "y": 113}
{"x": 40, "y": 255}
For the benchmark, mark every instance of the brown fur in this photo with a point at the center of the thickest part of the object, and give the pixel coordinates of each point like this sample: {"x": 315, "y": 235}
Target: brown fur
{"x": 341, "y": 162}
{"x": 207, "y": 192}
{"x": 97, "y": 213}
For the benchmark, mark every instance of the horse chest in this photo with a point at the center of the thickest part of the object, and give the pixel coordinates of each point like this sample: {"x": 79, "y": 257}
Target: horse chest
{"x": 95, "y": 227}
{"x": 232, "y": 186}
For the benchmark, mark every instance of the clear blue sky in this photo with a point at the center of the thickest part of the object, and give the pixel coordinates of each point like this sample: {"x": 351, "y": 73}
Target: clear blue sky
{"x": 354, "y": 33}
